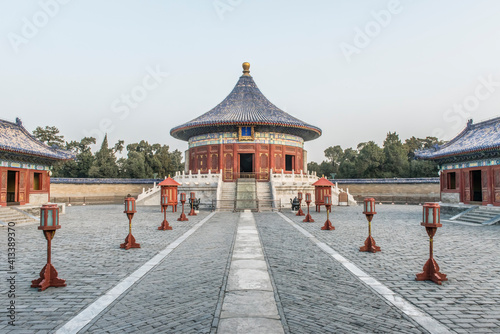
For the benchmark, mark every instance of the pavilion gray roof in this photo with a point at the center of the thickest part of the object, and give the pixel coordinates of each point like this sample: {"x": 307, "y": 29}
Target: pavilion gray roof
{"x": 246, "y": 105}
{"x": 474, "y": 139}
{"x": 14, "y": 138}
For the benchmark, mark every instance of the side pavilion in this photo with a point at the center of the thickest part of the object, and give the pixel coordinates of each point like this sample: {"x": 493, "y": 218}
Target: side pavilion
{"x": 25, "y": 165}
{"x": 470, "y": 164}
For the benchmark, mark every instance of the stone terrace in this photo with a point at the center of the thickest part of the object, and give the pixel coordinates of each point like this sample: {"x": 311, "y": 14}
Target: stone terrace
{"x": 314, "y": 293}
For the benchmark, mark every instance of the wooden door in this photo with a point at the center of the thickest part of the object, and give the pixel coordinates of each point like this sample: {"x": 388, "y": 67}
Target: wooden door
{"x": 496, "y": 186}
{"x": 484, "y": 186}
{"x": 23, "y": 182}
{"x": 3, "y": 187}
{"x": 466, "y": 193}
{"x": 228, "y": 167}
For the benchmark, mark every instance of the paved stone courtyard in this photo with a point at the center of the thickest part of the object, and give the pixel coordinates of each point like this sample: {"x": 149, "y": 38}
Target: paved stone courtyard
{"x": 183, "y": 292}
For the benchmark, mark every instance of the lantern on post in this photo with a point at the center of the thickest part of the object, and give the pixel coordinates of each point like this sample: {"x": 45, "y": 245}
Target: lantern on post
{"x": 370, "y": 246}
{"x": 183, "y": 217}
{"x": 328, "y": 205}
{"x": 431, "y": 222}
{"x": 164, "y": 205}
{"x": 49, "y": 223}
{"x": 300, "y": 212}
{"x": 192, "y": 200}
{"x": 130, "y": 210}
{"x": 169, "y": 188}
{"x": 322, "y": 188}
{"x": 308, "y": 218}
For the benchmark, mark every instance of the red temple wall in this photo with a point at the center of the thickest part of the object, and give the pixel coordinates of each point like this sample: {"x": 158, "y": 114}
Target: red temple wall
{"x": 22, "y": 185}
{"x": 460, "y": 181}
{"x": 226, "y": 157}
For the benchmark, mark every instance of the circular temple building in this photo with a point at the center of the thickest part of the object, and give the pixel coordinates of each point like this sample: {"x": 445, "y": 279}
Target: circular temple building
{"x": 245, "y": 136}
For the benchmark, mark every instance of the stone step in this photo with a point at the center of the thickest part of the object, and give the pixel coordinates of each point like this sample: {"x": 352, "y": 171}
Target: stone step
{"x": 8, "y": 215}
{"x": 479, "y": 215}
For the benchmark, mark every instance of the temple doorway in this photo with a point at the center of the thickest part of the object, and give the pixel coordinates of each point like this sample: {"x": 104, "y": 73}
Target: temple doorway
{"x": 246, "y": 164}
{"x": 475, "y": 186}
{"x": 12, "y": 187}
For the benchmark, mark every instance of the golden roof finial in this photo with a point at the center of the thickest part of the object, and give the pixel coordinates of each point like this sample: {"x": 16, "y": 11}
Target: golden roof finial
{"x": 246, "y": 68}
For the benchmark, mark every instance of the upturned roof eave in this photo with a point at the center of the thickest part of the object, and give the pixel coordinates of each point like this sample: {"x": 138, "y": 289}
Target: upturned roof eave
{"x": 176, "y": 132}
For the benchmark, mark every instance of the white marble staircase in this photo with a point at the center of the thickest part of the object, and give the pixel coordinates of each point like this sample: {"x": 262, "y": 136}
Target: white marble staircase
{"x": 228, "y": 195}
{"x": 265, "y": 196}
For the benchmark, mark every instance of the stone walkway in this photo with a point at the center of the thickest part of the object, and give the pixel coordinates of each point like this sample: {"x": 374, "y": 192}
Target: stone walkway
{"x": 193, "y": 279}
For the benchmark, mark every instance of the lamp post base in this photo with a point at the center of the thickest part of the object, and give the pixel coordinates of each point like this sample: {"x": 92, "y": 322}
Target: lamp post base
{"x": 328, "y": 226}
{"x": 300, "y": 212}
{"x": 370, "y": 246}
{"x": 308, "y": 219}
{"x": 130, "y": 242}
{"x": 182, "y": 218}
{"x": 48, "y": 278}
{"x": 431, "y": 273}
{"x": 164, "y": 226}
{"x": 192, "y": 213}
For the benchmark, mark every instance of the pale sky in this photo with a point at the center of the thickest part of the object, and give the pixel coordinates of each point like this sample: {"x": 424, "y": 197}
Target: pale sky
{"x": 356, "y": 69}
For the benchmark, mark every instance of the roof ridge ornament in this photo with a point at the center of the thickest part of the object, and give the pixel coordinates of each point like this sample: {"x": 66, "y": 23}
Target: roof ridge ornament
{"x": 19, "y": 122}
{"x": 246, "y": 68}
{"x": 469, "y": 123}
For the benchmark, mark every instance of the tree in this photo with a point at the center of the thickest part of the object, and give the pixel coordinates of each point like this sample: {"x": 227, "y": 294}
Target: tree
{"x": 347, "y": 168}
{"x": 313, "y": 167}
{"x": 396, "y": 157}
{"x": 49, "y": 135}
{"x": 104, "y": 164}
{"x": 335, "y": 155}
{"x": 84, "y": 159}
{"x": 370, "y": 160}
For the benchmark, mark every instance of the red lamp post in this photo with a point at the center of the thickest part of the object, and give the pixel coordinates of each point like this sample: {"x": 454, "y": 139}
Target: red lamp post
{"x": 308, "y": 218}
{"x": 130, "y": 210}
{"x": 192, "y": 198}
{"x": 164, "y": 205}
{"x": 49, "y": 223}
{"x": 328, "y": 205}
{"x": 300, "y": 212}
{"x": 431, "y": 268}
{"x": 322, "y": 188}
{"x": 183, "y": 217}
{"x": 370, "y": 245}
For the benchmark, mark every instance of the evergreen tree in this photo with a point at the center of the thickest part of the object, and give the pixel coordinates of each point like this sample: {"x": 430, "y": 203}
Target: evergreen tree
{"x": 370, "y": 160}
{"x": 84, "y": 159}
{"x": 105, "y": 162}
{"x": 49, "y": 135}
{"x": 396, "y": 157}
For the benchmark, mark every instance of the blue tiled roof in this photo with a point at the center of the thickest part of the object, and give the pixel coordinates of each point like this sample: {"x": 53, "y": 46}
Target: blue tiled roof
{"x": 15, "y": 138}
{"x": 245, "y": 105}
{"x": 484, "y": 136}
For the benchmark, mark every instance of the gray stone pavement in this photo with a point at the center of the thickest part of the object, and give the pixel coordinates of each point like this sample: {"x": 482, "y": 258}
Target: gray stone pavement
{"x": 86, "y": 253}
{"x": 469, "y": 302}
{"x": 314, "y": 293}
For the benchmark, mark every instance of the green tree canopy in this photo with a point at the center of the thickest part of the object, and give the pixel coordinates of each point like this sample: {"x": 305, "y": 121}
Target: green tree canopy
{"x": 49, "y": 135}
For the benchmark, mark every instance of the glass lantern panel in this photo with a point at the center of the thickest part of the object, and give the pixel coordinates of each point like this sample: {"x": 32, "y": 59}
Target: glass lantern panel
{"x": 50, "y": 220}
{"x": 42, "y": 221}
{"x": 426, "y": 219}
{"x": 56, "y": 217}
{"x": 438, "y": 215}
